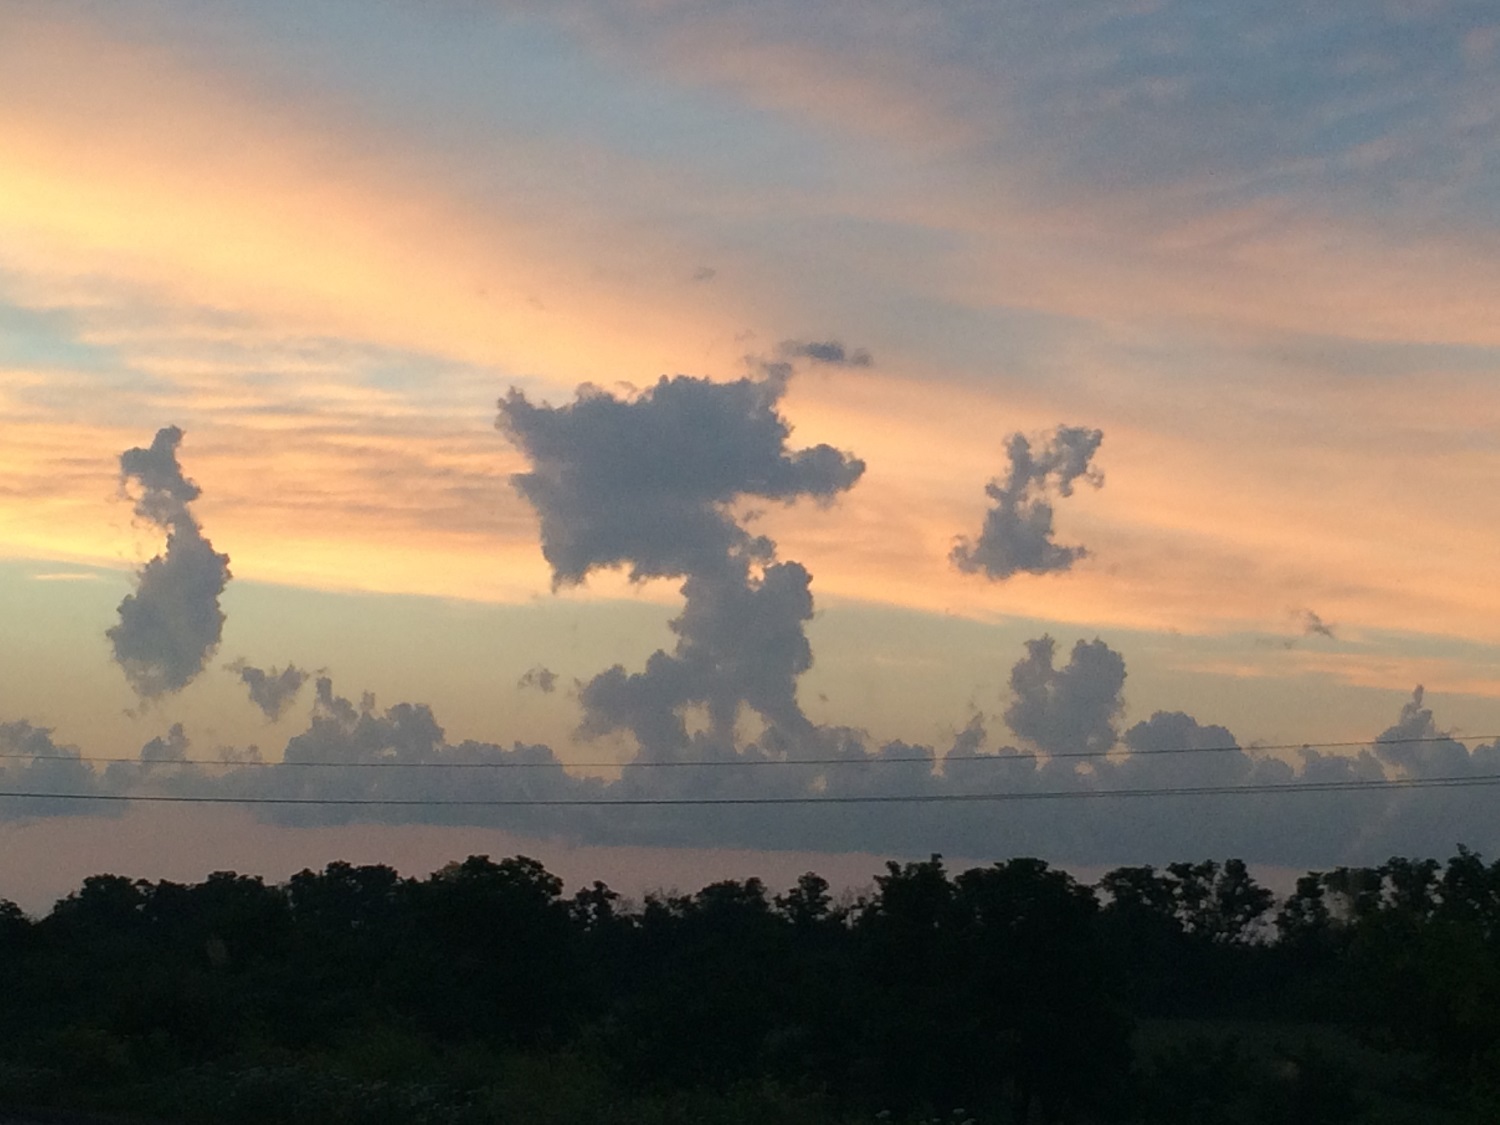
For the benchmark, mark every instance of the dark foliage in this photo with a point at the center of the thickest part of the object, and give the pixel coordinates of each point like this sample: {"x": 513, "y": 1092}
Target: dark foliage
{"x": 484, "y": 993}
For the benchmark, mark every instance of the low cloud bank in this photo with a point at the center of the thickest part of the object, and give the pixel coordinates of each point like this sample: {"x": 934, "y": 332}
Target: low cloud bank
{"x": 357, "y": 751}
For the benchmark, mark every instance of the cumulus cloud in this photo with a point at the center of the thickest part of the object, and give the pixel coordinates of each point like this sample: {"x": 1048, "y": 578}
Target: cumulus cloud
{"x": 31, "y": 763}
{"x": 400, "y": 763}
{"x": 741, "y": 642}
{"x": 358, "y": 751}
{"x": 717, "y": 715}
{"x": 1202, "y": 754}
{"x": 273, "y": 689}
{"x": 1068, "y": 709}
{"x": 647, "y": 482}
{"x": 650, "y": 483}
{"x": 171, "y": 625}
{"x": 830, "y": 352}
{"x": 1018, "y": 535}
{"x": 170, "y": 747}
{"x": 542, "y": 679}
{"x": 1416, "y": 747}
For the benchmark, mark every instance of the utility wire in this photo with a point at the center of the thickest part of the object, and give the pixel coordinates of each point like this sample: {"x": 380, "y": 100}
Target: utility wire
{"x": 1023, "y": 756}
{"x": 1352, "y": 786}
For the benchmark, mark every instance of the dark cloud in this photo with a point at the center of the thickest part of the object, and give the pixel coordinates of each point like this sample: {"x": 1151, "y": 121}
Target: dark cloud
{"x": 1313, "y": 625}
{"x": 354, "y": 750}
{"x": 542, "y": 679}
{"x": 1173, "y": 748}
{"x": 170, "y": 747}
{"x": 638, "y": 483}
{"x": 741, "y": 643}
{"x": 705, "y": 273}
{"x": 1017, "y": 532}
{"x": 273, "y": 690}
{"x": 32, "y": 763}
{"x": 380, "y": 754}
{"x": 830, "y": 352}
{"x": 648, "y": 482}
{"x": 171, "y": 625}
{"x": 1415, "y": 746}
{"x": 1070, "y": 708}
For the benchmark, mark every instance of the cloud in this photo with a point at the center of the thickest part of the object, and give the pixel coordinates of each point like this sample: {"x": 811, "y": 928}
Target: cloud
{"x": 1174, "y": 748}
{"x": 352, "y": 751}
{"x": 358, "y": 751}
{"x": 830, "y": 352}
{"x": 605, "y": 467}
{"x": 542, "y": 679}
{"x": 1313, "y": 625}
{"x": 273, "y": 690}
{"x": 648, "y": 481}
{"x": 1071, "y": 708}
{"x": 171, "y": 625}
{"x": 32, "y": 763}
{"x": 171, "y": 747}
{"x": 1017, "y": 532}
{"x": 741, "y": 642}
{"x": 1415, "y": 746}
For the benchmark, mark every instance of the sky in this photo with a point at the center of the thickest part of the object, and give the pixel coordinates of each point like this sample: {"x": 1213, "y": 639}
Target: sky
{"x": 746, "y": 401}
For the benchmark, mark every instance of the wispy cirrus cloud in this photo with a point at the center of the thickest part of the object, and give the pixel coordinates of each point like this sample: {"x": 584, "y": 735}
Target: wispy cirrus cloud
{"x": 358, "y": 277}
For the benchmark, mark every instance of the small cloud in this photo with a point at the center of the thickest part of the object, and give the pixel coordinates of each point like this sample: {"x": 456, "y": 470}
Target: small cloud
{"x": 830, "y": 352}
{"x": 171, "y": 625}
{"x": 171, "y": 747}
{"x": 1017, "y": 535}
{"x": 273, "y": 690}
{"x": 542, "y": 679}
{"x": 704, "y": 273}
{"x": 65, "y": 576}
{"x": 1313, "y": 625}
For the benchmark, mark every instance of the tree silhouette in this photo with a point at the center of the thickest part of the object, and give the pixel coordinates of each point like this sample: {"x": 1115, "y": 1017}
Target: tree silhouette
{"x": 1009, "y": 989}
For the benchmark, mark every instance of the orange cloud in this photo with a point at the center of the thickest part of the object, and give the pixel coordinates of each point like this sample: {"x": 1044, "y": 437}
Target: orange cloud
{"x": 122, "y": 162}
{"x": 131, "y": 178}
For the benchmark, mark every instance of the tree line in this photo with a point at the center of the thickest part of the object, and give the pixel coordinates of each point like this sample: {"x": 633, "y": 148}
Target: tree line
{"x": 1011, "y": 992}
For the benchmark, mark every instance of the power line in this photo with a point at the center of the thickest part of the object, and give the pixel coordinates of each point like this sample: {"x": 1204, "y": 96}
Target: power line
{"x": 1350, "y": 786}
{"x": 1022, "y": 756}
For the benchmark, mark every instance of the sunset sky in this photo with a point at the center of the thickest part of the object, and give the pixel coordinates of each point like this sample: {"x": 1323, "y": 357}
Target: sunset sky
{"x": 1231, "y": 270}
